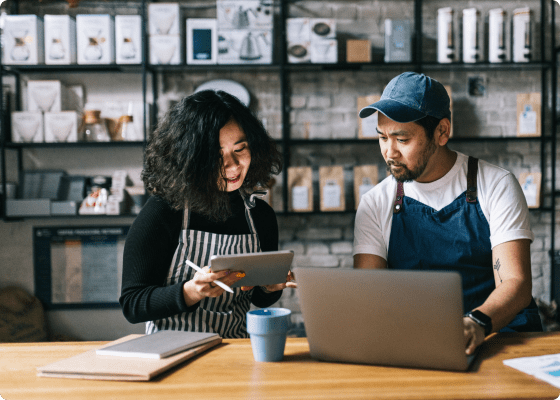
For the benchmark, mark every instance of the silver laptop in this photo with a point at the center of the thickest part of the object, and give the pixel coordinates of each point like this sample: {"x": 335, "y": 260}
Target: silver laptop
{"x": 384, "y": 317}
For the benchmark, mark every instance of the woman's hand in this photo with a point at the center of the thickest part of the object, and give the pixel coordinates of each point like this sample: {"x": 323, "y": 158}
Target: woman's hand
{"x": 201, "y": 285}
{"x": 290, "y": 282}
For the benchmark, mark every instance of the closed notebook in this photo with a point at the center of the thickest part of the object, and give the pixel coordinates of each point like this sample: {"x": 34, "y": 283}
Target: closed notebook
{"x": 89, "y": 365}
{"x": 161, "y": 344}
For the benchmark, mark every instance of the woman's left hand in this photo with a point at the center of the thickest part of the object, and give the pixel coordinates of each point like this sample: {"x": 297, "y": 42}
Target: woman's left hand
{"x": 290, "y": 283}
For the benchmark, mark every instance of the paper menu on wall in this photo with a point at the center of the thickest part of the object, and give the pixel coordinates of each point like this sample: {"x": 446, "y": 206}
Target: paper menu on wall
{"x": 546, "y": 368}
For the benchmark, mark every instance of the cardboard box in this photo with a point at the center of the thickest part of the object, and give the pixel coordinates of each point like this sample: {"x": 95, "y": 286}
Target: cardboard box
{"x": 95, "y": 38}
{"x": 398, "y": 41}
{"x": 528, "y": 114}
{"x": 23, "y": 40}
{"x": 164, "y": 19}
{"x": 202, "y": 41}
{"x": 46, "y": 95}
{"x": 324, "y": 51}
{"x": 64, "y": 208}
{"x": 367, "y": 127}
{"x": 322, "y": 28}
{"x": 60, "y": 39}
{"x": 299, "y": 52}
{"x": 298, "y": 29}
{"x": 128, "y": 39}
{"x": 61, "y": 127}
{"x": 27, "y": 127}
{"x": 28, "y": 208}
{"x": 165, "y": 50}
{"x": 358, "y": 51}
{"x": 243, "y": 46}
{"x": 245, "y": 14}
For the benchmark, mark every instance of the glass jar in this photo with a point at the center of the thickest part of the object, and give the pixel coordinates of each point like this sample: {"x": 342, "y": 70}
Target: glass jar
{"x": 94, "y": 129}
{"x": 126, "y": 129}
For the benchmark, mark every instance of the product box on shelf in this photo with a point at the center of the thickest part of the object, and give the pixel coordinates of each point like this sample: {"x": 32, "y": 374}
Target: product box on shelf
{"x": 27, "y": 127}
{"x": 324, "y": 51}
{"x": 165, "y": 50}
{"x": 529, "y": 114}
{"x": 164, "y": 19}
{"x": 446, "y": 51}
{"x": 60, "y": 39}
{"x": 46, "y": 95}
{"x": 244, "y": 46}
{"x": 298, "y": 29}
{"x": 398, "y": 38}
{"x": 358, "y": 51}
{"x": 245, "y": 14}
{"x": 298, "y": 38}
{"x": 299, "y": 52}
{"x": 471, "y": 32}
{"x": 322, "y": 28}
{"x": 128, "y": 39}
{"x": 23, "y": 40}
{"x": 497, "y": 42}
{"x": 64, "y": 208}
{"x": 522, "y": 35}
{"x": 61, "y": 126}
{"x": 367, "y": 127}
{"x": 202, "y": 41}
{"x": 95, "y": 38}
{"x": 28, "y": 207}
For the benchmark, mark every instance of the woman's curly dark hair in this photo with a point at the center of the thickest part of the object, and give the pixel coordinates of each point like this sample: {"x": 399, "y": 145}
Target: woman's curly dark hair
{"x": 183, "y": 163}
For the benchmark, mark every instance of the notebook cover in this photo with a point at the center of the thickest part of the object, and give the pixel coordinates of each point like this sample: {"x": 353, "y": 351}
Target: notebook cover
{"x": 160, "y": 344}
{"x": 89, "y": 365}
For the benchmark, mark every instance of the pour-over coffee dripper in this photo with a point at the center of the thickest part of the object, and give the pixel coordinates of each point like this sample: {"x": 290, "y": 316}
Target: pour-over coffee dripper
{"x": 94, "y": 51}
{"x": 20, "y": 52}
{"x": 44, "y": 97}
{"x": 56, "y": 49}
{"x": 163, "y": 21}
{"x": 128, "y": 50}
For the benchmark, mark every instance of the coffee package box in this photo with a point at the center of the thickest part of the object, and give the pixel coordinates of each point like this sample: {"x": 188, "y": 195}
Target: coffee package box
{"x": 300, "y": 185}
{"x": 331, "y": 183}
{"x": 23, "y": 40}
{"x": 27, "y": 127}
{"x": 95, "y": 38}
{"x": 60, "y": 39}
{"x": 61, "y": 127}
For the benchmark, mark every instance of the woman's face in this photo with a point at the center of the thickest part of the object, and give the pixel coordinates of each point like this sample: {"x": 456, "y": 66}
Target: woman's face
{"x": 236, "y": 156}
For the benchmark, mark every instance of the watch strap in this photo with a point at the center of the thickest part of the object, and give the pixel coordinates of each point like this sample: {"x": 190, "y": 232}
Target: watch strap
{"x": 481, "y": 319}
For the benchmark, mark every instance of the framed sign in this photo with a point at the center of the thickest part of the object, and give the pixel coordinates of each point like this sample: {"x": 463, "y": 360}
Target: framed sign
{"x": 78, "y": 267}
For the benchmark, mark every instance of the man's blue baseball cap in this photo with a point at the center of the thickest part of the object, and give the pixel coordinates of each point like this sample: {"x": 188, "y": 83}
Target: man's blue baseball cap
{"x": 410, "y": 97}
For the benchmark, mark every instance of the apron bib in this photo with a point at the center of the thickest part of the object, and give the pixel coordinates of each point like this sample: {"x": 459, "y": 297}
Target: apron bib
{"x": 455, "y": 238}
{"x": 225, "y": 314}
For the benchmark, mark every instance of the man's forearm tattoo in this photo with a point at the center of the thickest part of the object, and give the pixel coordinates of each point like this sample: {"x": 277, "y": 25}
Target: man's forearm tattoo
{"x": 497, "y": 268}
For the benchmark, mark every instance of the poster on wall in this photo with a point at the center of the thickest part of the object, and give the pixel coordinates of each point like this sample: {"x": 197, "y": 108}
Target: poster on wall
{"x": 78, "y": 266}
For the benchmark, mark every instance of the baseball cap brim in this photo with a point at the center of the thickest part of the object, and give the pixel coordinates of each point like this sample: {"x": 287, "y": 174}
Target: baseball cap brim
{"x": 394, "y": 110}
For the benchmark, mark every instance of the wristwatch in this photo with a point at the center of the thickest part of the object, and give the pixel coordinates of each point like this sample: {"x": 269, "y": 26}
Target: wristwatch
{"x": 481, "y": 319}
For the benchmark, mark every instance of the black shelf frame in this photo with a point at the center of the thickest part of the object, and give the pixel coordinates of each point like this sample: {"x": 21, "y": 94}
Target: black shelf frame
{"x": 547, "y": 65}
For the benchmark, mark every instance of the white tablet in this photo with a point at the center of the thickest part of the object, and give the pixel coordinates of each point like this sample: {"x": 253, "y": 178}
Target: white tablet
{"x": 266, "y": 268}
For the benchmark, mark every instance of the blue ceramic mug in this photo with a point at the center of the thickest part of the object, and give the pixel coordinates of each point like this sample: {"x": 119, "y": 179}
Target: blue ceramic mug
{"x": 267, "y": 328}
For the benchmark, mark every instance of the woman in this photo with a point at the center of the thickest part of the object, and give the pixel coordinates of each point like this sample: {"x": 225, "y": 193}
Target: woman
{"x": 202, "y": 164}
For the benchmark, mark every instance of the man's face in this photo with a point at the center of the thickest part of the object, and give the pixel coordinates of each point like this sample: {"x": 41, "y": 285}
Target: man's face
{"x": 406, "y": 149}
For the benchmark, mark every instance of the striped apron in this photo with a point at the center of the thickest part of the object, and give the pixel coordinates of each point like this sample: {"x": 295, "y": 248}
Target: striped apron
{"x": 225, "y": 314}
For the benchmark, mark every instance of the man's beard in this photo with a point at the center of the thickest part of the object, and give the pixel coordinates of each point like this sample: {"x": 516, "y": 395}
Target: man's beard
{"x": 408, "y": 175}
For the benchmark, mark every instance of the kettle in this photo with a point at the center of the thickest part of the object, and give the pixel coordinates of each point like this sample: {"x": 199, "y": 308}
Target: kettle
{"x": 240, "y": 18}
{"x": 250, "y": 50}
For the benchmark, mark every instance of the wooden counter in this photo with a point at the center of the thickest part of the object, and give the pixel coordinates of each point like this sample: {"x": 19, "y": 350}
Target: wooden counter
{"x": 229, "y": 372}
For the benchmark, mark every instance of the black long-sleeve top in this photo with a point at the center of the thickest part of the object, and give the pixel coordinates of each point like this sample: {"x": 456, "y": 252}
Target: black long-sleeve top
{"x": 151, "y": 243}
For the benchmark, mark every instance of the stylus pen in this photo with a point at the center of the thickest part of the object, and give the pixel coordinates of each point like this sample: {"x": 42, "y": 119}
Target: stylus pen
{"x": 219, "y": 283}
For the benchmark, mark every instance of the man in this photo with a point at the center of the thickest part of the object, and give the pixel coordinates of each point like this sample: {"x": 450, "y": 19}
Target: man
{"x": 442, "y": 210}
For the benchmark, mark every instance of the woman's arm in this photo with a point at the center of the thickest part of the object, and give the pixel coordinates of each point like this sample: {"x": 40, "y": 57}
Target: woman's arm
{"x": 149, "y": 249}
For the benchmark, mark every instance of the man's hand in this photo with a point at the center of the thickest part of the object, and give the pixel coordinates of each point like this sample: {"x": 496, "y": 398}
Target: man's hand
{"x": 474, "y": 335}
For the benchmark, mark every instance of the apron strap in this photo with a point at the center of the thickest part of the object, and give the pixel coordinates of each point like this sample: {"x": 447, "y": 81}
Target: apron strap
{"x": 471, "y": 180}
{"x": 186, "y": 217}
{"x": 397, "y": 207}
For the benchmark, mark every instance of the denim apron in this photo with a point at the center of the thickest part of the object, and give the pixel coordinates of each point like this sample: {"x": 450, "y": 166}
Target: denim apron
{"x": 226, "y": 314}
{"x": 455, "y": 238}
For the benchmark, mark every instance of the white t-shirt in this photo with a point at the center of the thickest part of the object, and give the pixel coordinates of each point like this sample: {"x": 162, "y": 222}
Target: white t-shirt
{"x": 501, "y": 199}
